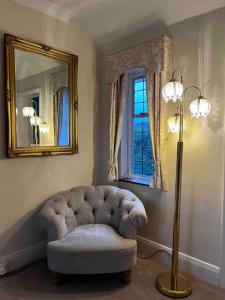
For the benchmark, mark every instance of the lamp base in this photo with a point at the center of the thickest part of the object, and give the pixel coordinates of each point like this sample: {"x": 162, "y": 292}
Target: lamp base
{"x": 163, "y": 284}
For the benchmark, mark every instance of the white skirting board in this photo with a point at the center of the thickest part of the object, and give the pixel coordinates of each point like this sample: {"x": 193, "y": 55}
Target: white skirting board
{"x": 195, "y": 267}
{"x": 23, "y": 257}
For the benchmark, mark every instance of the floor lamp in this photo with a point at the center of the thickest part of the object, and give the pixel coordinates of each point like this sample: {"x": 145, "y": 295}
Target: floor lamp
{"x": 35, "y": 120}
{"x": 172, "y": 283}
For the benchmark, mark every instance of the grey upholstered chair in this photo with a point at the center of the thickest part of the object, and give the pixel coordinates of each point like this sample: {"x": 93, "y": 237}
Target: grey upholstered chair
{"x": 92, "y": 230}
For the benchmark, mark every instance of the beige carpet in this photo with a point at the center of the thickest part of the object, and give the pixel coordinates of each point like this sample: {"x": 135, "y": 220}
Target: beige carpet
{"x": 34, "y": 282}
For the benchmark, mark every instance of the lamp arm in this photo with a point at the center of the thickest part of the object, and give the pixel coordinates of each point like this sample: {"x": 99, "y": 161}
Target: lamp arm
{"x": 177, "y": 71}
{"x": 35, "y": 106}
{"x": 181, "y": 111}
{"x": 192, "y": 86}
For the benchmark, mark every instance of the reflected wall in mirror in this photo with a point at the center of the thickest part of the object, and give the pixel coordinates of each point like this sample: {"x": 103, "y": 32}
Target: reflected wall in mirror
{"x": 41, "y": 95}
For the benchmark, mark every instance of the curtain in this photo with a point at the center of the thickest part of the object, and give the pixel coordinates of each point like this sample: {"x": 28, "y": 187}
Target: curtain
{"x": 116, "y": 122}
{"x": 157, "y": 118}
{"x": 56, "y": 112}
{"x": 61, "y": 117}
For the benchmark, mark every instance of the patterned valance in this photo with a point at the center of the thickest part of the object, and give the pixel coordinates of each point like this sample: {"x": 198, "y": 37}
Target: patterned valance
{"x": 155, "y": 55}
{"x": 58, "y": 79}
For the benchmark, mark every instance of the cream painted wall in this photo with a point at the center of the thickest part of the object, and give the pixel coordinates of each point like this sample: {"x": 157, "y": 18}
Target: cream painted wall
{"x": 199, "y": 52}
{"x": 26, "y": 182}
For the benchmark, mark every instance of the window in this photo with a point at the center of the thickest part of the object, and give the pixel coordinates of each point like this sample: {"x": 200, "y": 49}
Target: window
{"x": 136, "y": 162}
{"x": 36, "y": 133}
{"x": 63, "y": 138}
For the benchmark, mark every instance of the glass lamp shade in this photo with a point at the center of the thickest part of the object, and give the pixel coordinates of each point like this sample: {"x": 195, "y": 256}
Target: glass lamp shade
{"x": 172, "y": 91}
{"x": 174, "y": 124}
{"x": 35, "y": 121}
{"x": 44, "y": 128}
{"x": 28, "y": 111}
{"x": 200, "y": 107}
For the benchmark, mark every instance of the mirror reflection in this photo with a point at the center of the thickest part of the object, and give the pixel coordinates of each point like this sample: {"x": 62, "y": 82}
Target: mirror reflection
{"x": 42, "y": 100}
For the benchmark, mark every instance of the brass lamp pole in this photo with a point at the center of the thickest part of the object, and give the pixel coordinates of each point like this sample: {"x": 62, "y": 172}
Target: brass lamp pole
{"x": 172, "y": 283}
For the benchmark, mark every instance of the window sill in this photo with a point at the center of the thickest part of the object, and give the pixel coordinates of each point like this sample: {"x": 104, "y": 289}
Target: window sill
{"x": 137, "y": 180}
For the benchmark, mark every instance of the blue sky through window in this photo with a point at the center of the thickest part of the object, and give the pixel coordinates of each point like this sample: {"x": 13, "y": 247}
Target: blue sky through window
{"x": 142, "y": 160}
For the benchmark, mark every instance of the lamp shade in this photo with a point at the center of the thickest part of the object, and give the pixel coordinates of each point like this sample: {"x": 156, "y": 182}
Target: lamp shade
{"x": 44, "y": 128}
{"x": 174, "y": 124}
{"x": 172, "y": 91}
{"x": 200, "y": 107}
{"x": 28, "y": 111}
{"x": 35, "y": 121}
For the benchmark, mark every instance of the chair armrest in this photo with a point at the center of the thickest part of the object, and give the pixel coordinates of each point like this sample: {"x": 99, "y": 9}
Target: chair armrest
{"x": 52, "y": 218}
{"x": 55, "y": 227}
{"x": 133, "y": 215}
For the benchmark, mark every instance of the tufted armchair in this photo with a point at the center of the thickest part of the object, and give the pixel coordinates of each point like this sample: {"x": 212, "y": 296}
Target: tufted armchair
{"x": 92, "y": 230}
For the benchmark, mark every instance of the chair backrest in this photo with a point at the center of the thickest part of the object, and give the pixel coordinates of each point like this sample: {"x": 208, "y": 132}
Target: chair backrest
{"x": 86, "y": 205}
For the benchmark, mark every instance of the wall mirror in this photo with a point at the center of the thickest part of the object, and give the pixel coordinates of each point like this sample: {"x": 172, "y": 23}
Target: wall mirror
{"x": 41, "y": 99}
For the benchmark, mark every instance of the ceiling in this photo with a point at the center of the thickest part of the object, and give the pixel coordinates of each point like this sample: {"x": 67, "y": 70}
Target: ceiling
{"x": 29, "y": 64}
{"x": 104, "y": 18}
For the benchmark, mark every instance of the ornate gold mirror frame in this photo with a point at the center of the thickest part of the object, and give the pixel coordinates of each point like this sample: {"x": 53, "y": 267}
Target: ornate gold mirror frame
{"x": 11, "y": 44}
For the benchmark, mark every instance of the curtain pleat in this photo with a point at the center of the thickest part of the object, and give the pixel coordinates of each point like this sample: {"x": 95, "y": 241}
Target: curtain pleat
{"x": 56, "y": 111}
{"x": 157, "y": 118}
{"x": 116, "y": 123}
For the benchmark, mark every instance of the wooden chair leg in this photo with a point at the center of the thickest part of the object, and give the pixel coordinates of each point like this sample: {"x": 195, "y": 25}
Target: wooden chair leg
{"x": 127, "y": 276}
{"x": 56, "y": 278}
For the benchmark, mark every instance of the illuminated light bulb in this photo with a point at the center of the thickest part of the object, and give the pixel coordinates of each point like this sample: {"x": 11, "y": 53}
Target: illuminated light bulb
{"x": 28, "y": 111}
{"x": 200, "y": 107}
{"x": 172, "y": 91}
{"x": 35, "y": 121}
{"x": 44, "y": 128}
{"x": 174, "y": 124}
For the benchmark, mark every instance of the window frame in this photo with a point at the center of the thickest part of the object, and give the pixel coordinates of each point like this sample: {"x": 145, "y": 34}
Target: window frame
{"x": 126, "y": 149}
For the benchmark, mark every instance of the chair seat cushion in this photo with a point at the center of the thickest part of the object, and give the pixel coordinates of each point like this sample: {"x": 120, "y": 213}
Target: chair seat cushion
{"x": 92, "y": 248}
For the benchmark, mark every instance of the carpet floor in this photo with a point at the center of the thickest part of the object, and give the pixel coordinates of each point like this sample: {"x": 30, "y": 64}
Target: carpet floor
{"x": 34, "y": 282}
